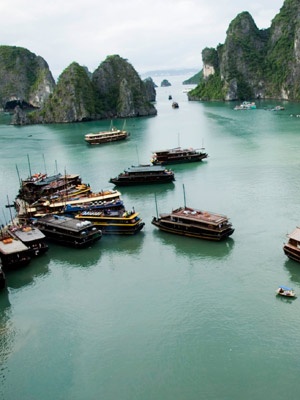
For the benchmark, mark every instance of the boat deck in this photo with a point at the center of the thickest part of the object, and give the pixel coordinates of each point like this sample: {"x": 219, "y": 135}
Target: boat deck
{"x": 198, "y": 215}
{"x": 295, "y": 235}
{"x": 64, "y": 223}
{"x": 27, "y": 234}
{"x": 145, "y": 169}
{"x": 12, "y": 246}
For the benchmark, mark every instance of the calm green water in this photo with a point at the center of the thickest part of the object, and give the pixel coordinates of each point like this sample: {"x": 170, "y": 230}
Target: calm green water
{"x": 156, "y": 316}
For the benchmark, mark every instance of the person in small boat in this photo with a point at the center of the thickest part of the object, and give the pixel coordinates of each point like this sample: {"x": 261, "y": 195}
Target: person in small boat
{"x": 281, "y": 290}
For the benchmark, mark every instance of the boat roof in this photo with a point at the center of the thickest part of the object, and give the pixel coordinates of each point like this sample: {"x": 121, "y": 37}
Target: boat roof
{"x": 145, "y": 168}
{"x": 110, "y": 194}
{"x": 194, "y": 214}
{"x": 65, "y": 222}
{"x": 285, "y": 288}
{"x": 295, "y": 234}
{"x": 105, "y": 133}
{"x": 28, "y": 234}
{"x": 176, "y": 150}
{"x": 14, "y": 246}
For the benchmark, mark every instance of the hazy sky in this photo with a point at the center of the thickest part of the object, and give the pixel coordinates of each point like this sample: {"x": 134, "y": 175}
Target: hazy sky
{"x": 151, "y": 35}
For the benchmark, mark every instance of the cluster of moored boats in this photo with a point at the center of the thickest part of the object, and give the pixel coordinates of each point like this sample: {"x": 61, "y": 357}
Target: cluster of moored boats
{"x": 63, "y": 209}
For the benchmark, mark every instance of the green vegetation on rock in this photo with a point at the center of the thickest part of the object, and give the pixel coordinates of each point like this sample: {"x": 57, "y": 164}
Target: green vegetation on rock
{"x": 255, "y": 63}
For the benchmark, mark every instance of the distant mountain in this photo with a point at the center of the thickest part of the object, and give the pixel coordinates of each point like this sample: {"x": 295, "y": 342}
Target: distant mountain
{"x": 254, "y": 63}
{"x": 171, "y": 72}
{"x": 114, "y": 89}
{"x": 25, "y": 79}
{"x": 194, "y": 80}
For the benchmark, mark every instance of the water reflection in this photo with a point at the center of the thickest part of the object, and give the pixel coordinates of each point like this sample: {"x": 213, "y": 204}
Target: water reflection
{"x": 7, "y": 335}
{"x": 124, "y": 245}
{"x": 146, "y": 190}
{"x": 195, "y": 248}
{"x": 38, "y": 268}
{"x": 85, "y": 257}
{"x": 285, "y": 299}
{"x": 293, "y": 269}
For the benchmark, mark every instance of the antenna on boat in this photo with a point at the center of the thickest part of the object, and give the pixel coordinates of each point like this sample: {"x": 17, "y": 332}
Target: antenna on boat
{"x": 202, "y": 148}
{"x": 44, "y": 163}
{"x": 30, "y": 174}
{"x": 137, "y": 153}
{"x": 156, "y": 205}
{"x": 56, "y": 170}
{"x": 8, "y": 205}
{"x": 4, "y": 218}
{"x": 184, "y": 199}
{"x": 18, "y": 175}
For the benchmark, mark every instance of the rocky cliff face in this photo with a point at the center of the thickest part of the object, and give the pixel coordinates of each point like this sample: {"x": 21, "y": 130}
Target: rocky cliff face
{"x": 255, "y": 63}
{"x": 25, "y": 78}
{"x": 71, "y": 101}
{"x": 113, "y": 90}
{"x": 150, "y": 89}
{"x": 120, "y": 90}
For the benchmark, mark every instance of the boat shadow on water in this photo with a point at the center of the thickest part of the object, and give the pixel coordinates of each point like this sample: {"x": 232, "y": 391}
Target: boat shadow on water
{"x": 193, "y": 248}
{"x": 70, "y": 257}
{"x": 25, "y": 276}
{"x": 159, "y": 189}
{"x": 122, "y": 245}
{"x": 294, "y": 271}
{"x": 118, "y": 245}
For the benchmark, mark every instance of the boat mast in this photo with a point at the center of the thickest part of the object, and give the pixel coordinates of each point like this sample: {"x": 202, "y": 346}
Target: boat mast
{"x": 184, "y": 199}
{"x": 137, "y": 153}
{"x": 44, "y": 164}
{"x": 30, "y": 174}
{"x": 156, "y": 205}
{"x": 20, "y": 182}
{"x": 9, "y": 206}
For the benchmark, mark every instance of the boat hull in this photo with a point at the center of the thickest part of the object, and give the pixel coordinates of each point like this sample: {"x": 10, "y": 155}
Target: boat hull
{"x": 2, "y": 279}
{"x": 292, "y": 252}
{"x": 15, "y": 261}
{"x": 106, "y": 140}
{"x": 66, "y": 240}
{"x": 191, "y": 231}
{"x": 180, "y": 160}
{"x": 120, "y": 229}
{"x": 69, "y": 232}
{"x": 142, "y": 181}
{"x": 114, "y": 225}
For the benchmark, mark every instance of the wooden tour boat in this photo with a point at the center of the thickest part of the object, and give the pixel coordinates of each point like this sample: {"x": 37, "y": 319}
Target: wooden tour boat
{"x": 31, "y": 236}
{"x": 292, "y": 247}
{"x": 55, "y": 185}
{"x": 114, "y": 222}
{"x": 195, "y": 223}
{"x": 143, "y": 175}
{"x": 59, "y": 206}
{"x": 2, "y": 278}
{"x": 68, "y": 231}
{"x": 13, "y": 253}
{"x": 246, "y": 105}
{"x": 177, "y": 155}
{"x": 112, "y": 135}
{"x": 114, "y": 204}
